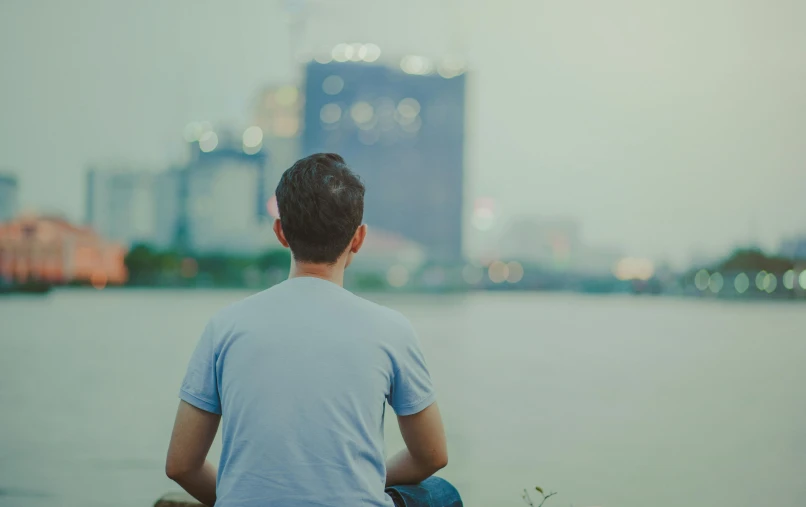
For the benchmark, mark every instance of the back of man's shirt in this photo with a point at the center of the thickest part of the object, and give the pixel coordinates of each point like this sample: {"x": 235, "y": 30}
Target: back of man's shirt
{"x": 301, "y": 373}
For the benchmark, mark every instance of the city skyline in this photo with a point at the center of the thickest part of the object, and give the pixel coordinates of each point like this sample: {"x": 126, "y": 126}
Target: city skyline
{"x": 662, "y": 142}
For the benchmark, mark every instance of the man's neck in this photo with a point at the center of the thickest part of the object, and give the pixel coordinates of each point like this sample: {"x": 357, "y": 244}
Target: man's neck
{"x": 332, "y": 273}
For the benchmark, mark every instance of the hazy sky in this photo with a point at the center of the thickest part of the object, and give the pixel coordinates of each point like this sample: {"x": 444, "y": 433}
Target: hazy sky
{"x": 668, "y": 128}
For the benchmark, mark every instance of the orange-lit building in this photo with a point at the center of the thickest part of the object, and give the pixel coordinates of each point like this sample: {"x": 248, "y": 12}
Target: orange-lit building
{"x": 54, "y": 251}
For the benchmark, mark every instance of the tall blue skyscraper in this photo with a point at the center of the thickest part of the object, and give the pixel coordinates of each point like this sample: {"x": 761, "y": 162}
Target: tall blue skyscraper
{"x": 403, "y": 133}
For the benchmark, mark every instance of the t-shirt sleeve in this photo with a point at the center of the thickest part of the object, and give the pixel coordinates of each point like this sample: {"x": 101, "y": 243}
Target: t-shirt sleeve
{"x": 200, "y": 386}
{"x": 411, "y": 391}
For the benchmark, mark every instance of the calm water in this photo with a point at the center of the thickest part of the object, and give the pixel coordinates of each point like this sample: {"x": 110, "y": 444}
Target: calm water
{"x": 612, "y": 401}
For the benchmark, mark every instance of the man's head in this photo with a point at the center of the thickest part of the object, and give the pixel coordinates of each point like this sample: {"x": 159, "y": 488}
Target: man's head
{"x": 321, "y": 204}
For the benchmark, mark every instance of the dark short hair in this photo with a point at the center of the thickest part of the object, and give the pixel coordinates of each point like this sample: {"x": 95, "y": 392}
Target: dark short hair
{"x": 321, "y": 204}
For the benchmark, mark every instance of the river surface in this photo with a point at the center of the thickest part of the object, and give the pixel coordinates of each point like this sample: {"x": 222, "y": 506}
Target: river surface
{"x": 612, "y": 401}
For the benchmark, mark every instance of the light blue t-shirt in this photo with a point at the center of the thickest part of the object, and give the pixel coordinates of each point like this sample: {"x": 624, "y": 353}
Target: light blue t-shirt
{"x": 301, "y": 374}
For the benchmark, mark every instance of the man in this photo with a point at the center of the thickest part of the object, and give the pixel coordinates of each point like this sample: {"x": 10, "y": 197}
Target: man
{"x": 301, "y": 374}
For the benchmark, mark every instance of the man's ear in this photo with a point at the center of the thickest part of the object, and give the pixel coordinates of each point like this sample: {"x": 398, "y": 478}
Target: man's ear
{"x": 278, "y": 231}
{"x": 358, "y": 238}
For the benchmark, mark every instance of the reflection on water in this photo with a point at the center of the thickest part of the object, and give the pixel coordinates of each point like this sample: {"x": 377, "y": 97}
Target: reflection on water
{"x": 611, "y": 401}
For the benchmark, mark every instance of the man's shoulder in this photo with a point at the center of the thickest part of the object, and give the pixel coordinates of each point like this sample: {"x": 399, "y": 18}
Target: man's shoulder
{"x": 237, "y": 310}
{"x": 384, "y": 315}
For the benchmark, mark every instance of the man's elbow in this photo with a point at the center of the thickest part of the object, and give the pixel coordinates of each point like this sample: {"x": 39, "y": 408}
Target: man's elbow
{"x": 176, "y": 470}
{"x": 437, "y": 461}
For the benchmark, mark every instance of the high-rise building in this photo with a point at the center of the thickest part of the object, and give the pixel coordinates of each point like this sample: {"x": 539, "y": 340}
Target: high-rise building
{"x": 278, "y": 113}
{"x": 121, "y": 204}
{"x": 403, "y": 133}
{"x": 9, "y": 200}
{"x": 222, "y": 201}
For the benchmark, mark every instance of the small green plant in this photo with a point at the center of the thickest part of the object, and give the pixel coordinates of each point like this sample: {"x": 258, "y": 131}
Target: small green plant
{"x": 543, "y": 497}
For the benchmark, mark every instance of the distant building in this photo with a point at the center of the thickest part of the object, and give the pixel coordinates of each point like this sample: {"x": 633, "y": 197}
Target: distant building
{"x": 121, "y": 204}
{"x": 554, "y": 244}
{"x": 403, "y": 133}
{"x": 216, "y": 203}
{"x": 794, "y": 248}
{"x": 134, "y": 206}
{"x": 222, "y": 202}
{"x": 52, "y": 250}
{"x": 598, "y": 260}
{"x": 278, "y": 113}
{"x": 548, "y": 242}
{"x": 9, "y": 200}
{"x": 167, "y": 208}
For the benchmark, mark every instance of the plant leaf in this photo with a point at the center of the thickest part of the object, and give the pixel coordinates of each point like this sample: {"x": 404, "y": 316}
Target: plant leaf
{"x": 539, "y": 489}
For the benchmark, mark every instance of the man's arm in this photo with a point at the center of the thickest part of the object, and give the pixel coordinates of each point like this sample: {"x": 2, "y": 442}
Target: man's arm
{"x": 193, "y": 434}
{"x": 426, "y": 450}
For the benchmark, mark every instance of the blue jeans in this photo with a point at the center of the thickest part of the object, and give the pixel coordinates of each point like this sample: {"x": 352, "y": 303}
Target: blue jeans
{"x": 432, "y": 492}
